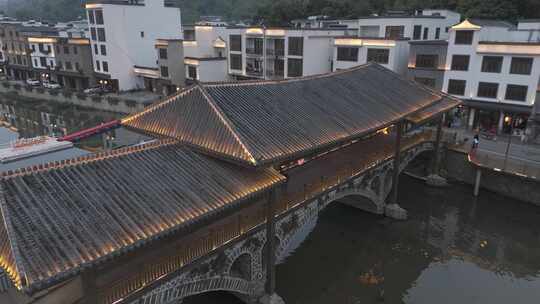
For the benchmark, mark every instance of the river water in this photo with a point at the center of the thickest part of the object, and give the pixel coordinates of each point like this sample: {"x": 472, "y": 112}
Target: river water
{"x": 453, "y": 249}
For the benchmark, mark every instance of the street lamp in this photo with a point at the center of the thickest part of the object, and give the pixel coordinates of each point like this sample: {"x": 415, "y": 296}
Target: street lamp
{"x": 508, "y": 119}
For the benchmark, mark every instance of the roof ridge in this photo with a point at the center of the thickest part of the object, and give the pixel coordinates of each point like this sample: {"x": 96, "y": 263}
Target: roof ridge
{"x": 287, "y": 80}
{"x": 219, "y": 112}
{"x": 86, "y": 158}
{"x": 8, "y": 225}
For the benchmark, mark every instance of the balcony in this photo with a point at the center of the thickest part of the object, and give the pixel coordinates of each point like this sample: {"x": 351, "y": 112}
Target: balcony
{"x": 275, "y": 52}
{"x": 254, "y": 51}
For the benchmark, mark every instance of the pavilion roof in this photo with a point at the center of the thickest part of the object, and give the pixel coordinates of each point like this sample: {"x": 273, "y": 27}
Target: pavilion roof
{"x": 57, "y": 219}
{"x": 264, "y": 122}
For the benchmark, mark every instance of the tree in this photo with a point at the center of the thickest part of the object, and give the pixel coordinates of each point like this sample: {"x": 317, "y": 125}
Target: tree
{"x": 489, "y": 9}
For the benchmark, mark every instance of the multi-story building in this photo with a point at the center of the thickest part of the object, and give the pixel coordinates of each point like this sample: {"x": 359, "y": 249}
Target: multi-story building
{"x": 495, "y": 68}
{"x": 74, "y": 68}
{"x": 428, "y": 24}
{"x": 123, "y": 35}
{"x": 42, "y": 56}
{"x": 205, "y": 50}
{"x": 427, "y": 62}
{"x": 354, "y": 51}
{"x": 279, "y": 53}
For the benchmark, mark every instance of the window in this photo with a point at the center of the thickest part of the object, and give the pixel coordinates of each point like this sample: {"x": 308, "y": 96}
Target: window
{"x": 99, "y": 17}
{"x": 378, "y": 55}
{"x": 417, "y": 32}
{"x": 295, "y": 67}
{"x": 492, "y": 64}
{"x": 427, "y": 61}
{"x": 394, "y": 32}
{"x": 142, "y": 34}
{"x": 43, "y": 61}
{"x": 521, "y": 65}
{"x": 33, "y": 48}
{"x": 75, "y": 51}
{"x": 57, "y": 49}
{"x": 103, "y": 50}
{"x": 430, "y": 82}
{"x": 91, "y": 18}
{"x": 236, "y": 62}
{"x": 66, "y": 49}
{"x": 296, "y": 46}
{"x": 460, "y": 63}
{"x": 105, "y": 66}
{"x": 438, "y": 33}
{"x": 516, "y": 92}
{"x": 98, "y": 66}
{"x": 164, "y": 71}
{"x": 163, "y": 54}
{"x": 36, "y": 64}
{"x": 487, "y": 89}
{"x": 456, "y": 87}
{"x": 426, "y": 33}
{"x": 235, "y": 42}
{"x": 446, "y": 29}
{"x": 60, "y": 65}
{"x": 192, "y": 72}
{"x": 96, "y": 49}
{"x": 69, "y": 66}
{"x": 101, "y": 34}
{"x": 347, "y": 54}
{"x": 77, "y": 67}
{"x": 93, "y": 33}
{"x": 464, "y": 37}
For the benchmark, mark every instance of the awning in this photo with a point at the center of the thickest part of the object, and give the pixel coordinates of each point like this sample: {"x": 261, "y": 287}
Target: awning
{"x": 446, "y": 104}
{"x": 497, "y": 106}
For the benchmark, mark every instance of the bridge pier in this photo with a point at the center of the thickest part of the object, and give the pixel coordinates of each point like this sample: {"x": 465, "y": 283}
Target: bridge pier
{"x": 435, "y": 179}
{"x": 393, "y": 210}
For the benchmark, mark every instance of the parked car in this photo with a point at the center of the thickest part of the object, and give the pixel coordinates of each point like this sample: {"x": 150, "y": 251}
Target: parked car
{"x": 33, "y": 82}
{"x": 52, "y": 85}
{"x": 94, "y": 91}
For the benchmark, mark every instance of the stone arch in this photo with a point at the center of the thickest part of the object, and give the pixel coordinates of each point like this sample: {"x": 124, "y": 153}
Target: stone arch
{"x": 242, "y": 267}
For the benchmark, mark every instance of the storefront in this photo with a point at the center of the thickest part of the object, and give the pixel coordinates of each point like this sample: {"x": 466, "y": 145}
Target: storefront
{"x": 496, "y": 118}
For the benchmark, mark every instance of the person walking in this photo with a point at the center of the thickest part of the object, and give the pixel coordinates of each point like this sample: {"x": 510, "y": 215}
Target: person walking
{"x": 476, "y": 141}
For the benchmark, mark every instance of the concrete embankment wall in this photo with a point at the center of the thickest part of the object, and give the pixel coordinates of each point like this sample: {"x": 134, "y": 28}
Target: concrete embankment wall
{"x": 459, "y": 168}
{"x": 111, "y": 104}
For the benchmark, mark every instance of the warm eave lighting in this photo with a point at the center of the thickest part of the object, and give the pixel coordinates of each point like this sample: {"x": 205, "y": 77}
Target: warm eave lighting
{"x": 508, "y": 49}
{"x": 379, "y": 43}
{"x": 275, "y": 32}
{"x": 41, "y": 40}
{"x": 203, "y": 27}
{"x": 190, "y": 43}
{"x": 218, "y": 43}
{"x": 146, "y": 72}
{"x": 254, "y": 31}
{"x": 348, "y": 42}
{"x": 191, "y": 61}
{"x": 93, "y": 5}
{"x": 79, "y": 41}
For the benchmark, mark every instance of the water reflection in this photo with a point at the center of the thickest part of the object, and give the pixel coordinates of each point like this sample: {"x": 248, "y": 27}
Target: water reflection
{"x": 453, "y": 249}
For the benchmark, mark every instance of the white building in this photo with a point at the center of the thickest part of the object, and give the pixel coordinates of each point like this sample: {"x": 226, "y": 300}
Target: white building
{"x": 123, "y": 35}
{"x": 288, "y": 52}
{"x": 43, "y": 55}
{"x": 353, "y": 51}
{"x": 495, "y": 67}
{"x": 205, "y": 51}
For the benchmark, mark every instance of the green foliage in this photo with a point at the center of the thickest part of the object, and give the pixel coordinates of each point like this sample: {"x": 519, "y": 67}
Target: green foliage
{"x": 280, "y": 12}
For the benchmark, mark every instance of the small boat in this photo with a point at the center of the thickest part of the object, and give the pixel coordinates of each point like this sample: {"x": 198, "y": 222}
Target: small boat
{"x": 30, "y": 147}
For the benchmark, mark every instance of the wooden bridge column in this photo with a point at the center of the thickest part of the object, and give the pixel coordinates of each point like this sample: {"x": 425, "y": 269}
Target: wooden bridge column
{"x": 397, "y": 163}
{"x": 270, "y": 255}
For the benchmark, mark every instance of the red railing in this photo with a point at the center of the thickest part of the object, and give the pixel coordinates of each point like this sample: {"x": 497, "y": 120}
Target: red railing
{"x": 83, "y": 134}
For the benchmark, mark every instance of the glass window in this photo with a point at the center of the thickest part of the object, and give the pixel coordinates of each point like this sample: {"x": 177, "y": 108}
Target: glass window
{"x": 192, "y": 72}
{"x": 77, "y": 67}
{"x": 460, "y": 63}
{"x": 430, "y": 82}
{"x": 521, "y": 66}
{"x": 66, "y": 49}
{"x": 93, "y": 33}
{"x": 492, "y": 64}
{"x": 96, "y": 49}
{"x": 464, "y": 37}
{"x": 426, "y": 33}
{"x": 427, "y": 61}
{"x": 98, "y": 66}
{"x": 99, "y": 17}
{"x": 236, "y": 43}
{"x": 142, "y": 34}
{"x": 347, "y": 54}
{"x": 164, "y": 71}
{"x": 295, "y": 67}
{"x": 516, "y": 92}
{"x": 487, "y": 89}
{"x": 417, "y": 32}
{"x": 103, "y": 50}
{"x": 456, "y": 87}
{"x": 163, "y": 54}
{"x": 91, "y": 18}
{"x": 75, "y": 51}
{"x": 68, "y": 65}
{"x": 296, "y": 46}
{"x": 394, "y": 32}
{"x": 105, "y": 66}
{"x": 101, "y": 34}
{"x": 438, "y": 33}
{"x": 236, "y": 62}
{"x": 378, "y": 55}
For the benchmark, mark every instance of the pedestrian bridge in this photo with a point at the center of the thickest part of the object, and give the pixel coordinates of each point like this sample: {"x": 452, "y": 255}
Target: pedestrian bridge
{"x": 238, "y": 172}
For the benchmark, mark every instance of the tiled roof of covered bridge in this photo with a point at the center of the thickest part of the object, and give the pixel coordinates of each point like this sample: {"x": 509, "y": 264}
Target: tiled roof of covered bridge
{"x": 263, "y": 122}
{"x": 59, "y": 218}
